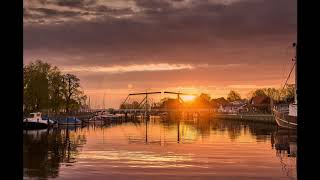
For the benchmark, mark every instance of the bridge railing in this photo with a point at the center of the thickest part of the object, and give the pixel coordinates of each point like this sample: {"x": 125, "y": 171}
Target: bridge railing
{"x": 165, "y": 110}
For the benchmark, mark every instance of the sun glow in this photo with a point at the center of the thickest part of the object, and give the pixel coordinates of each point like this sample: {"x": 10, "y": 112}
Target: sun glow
{"x": 188, "y": 98}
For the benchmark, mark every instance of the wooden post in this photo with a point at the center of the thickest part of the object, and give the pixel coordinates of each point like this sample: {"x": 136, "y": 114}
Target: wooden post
{"x": 178, "y": 130}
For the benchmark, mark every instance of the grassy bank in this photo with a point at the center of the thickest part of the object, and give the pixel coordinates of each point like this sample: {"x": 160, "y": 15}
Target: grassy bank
{"x": 262, "y": 118}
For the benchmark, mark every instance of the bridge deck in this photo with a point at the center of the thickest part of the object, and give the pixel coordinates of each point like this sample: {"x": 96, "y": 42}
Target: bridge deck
{"x": 161, "y": 110}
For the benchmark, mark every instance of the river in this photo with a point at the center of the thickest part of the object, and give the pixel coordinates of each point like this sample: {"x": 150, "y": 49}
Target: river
{"x": 161, "y": 148}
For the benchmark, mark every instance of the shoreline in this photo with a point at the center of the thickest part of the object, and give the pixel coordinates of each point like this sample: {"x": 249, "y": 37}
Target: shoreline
{"x": 261, "y": 118}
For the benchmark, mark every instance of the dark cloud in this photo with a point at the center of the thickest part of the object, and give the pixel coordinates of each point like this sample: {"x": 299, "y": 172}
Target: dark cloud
{"x": 208, "y": 33}
{"x": 51, "y": 12}
{"x": 75, "y": 3}
{"x": 255, "y": 33}
{"x": 153, "y": 4}
{"x": 102, "y": 8}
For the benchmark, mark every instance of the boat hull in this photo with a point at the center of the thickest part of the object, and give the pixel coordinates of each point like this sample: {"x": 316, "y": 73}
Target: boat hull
{"x": 34, "y": 125}
{"x": 70, "y": 123}
{"x": 284, "y": 120}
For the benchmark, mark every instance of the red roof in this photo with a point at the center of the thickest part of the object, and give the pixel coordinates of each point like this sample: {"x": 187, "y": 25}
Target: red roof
{"x": 259, "y": 100}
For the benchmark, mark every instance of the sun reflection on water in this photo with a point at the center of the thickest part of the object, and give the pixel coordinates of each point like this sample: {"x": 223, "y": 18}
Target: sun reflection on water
{"x": 208, "y": 147}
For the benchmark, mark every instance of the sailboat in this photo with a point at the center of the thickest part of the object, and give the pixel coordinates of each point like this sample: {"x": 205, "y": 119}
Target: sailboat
{"x": 284, "y": 116}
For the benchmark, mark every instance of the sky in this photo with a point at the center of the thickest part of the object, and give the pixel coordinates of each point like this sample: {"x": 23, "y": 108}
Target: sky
{"x": 118, "y": 47}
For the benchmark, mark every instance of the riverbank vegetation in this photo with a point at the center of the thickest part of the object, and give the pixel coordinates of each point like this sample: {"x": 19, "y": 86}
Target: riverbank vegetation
{"x": 46, "y": 88}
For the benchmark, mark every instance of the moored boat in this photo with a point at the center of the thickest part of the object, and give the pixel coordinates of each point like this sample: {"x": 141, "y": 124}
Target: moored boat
{"x": 37, "y": 121}
{"x": 105, "y": 116}
{"x": 69, "y": 121}
{"x": 287, "y": 117}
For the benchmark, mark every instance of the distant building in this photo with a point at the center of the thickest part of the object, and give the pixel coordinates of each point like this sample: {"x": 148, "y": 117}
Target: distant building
{"x": 217, "y": 103}
{"x": 260, "y": 100}
{"x": 260, "y": 104}
{"x": 232, "y": 107}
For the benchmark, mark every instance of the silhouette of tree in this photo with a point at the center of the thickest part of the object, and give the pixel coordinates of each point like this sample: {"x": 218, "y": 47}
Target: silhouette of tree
{"x": 233, "y": 96}
{"x": 45, "y": 87}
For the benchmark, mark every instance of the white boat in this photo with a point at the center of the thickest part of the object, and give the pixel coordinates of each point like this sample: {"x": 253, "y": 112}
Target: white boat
{"x": 287, "y": 117}
{"x": 36, "y": 121}
{"x": 101, "y": 116}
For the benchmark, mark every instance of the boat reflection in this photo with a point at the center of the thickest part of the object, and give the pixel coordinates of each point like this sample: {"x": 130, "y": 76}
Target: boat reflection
{"x": 44, "y": 151}
{"x": 285, "y": 143}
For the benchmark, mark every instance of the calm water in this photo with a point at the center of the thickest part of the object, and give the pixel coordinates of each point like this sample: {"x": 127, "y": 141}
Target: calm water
{"x": 161, "y": 149}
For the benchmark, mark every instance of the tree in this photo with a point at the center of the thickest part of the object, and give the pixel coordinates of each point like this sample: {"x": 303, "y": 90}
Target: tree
{"x": 259, "y": 92}
{"x": 35, "y": 90}
{"x": 133, "y": 105}
{"x": 205, "y": 97}
{"x": 272, "y": 93}
{"x": 233, "y": 96}
{"x": 219, "y": 101}
{"x": 71, "y": 91}
{"x": 55, "y": 89}
{"x": 45, "y": 87}
{"x": 287, "y": 93}
{"x": 277, "y": 95}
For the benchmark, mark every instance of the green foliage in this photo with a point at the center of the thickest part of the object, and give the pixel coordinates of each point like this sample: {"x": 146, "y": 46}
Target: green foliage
{"x": 45, "y": 87}
{"x": 285, "y": 95}
{"x": 35, "y": 90}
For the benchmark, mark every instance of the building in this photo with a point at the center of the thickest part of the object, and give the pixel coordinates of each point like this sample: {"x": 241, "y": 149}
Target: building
{"x": 261, "y": 104}
{"x": 232, "y": 107}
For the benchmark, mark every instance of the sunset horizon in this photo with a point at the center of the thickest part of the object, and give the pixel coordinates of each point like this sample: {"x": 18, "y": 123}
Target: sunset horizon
{"x": 121, "y": 47}
{"x": 160, "y": 89}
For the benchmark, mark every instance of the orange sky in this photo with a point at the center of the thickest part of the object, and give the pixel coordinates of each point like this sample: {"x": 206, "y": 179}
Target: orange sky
{"x": 124, "y": 46}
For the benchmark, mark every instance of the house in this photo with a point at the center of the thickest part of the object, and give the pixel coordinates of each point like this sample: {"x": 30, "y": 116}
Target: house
{"x": 260, "y": 100}
{"x": 217, "y": 103}
{"x": 260, "y": 104}
{"x": 232, "y": 107}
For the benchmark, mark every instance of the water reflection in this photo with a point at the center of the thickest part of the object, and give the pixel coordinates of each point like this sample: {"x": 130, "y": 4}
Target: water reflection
{"x": 162, "y": 146}
{"x": 44, "y": 151}
{"x": 285, "y": 143}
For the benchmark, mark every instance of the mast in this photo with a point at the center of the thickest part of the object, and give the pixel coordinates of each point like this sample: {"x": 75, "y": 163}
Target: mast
{"x": 103, "y": 101}
{"x": 89, "y": 103}
{"x": 296, "y": 79}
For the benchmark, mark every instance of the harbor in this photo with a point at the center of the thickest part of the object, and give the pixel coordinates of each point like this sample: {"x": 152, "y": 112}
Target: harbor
{"x": 160, "y": 89}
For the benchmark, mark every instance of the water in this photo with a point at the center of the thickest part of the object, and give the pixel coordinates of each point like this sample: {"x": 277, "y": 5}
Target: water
{"x": 161, "y": 149}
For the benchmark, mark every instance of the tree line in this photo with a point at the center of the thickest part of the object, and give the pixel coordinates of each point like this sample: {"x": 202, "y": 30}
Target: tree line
{"x": 45, "y": 87}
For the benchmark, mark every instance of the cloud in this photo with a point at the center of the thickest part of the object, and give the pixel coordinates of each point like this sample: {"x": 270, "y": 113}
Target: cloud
{"x": 100, "y": 26}
{"x": 129, "y": 68}
{"x": 211, "y": 42}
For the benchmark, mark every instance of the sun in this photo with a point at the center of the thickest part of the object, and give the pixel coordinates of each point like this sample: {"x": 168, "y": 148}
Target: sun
{"x": 188, "y": 98}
